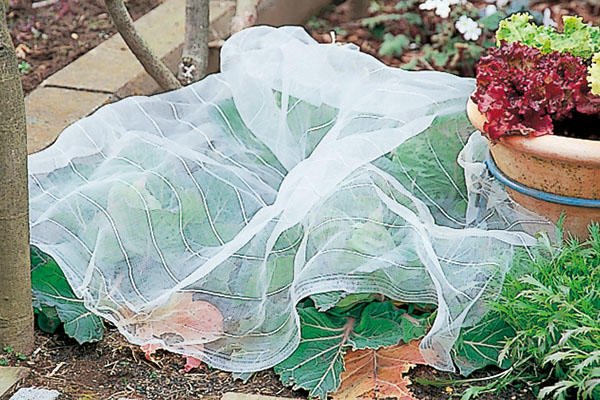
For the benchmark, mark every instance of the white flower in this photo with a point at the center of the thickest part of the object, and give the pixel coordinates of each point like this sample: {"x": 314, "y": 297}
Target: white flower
{"x": 441, "y": 7}
{"x": 548, "y": 21}
{"x": 472, "y": 33}
{"x": 429, "y": 5}
{"x": 489, "y": 10}
{"x": 443, "y": 10}
{"x": 462, "y": 24}
{"x": 468, "y": 27}
{"x": 502, "y": 3}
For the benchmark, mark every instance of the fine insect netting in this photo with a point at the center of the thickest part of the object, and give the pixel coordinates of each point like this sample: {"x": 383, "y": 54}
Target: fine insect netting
{"x": 198, "y": 219}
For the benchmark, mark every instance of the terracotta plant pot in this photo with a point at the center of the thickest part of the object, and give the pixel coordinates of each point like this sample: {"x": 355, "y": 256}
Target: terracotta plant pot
{"x": 564, "y": 171}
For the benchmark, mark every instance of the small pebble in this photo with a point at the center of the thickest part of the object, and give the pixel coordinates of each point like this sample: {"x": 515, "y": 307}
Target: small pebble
{"x": 35, "y": 394}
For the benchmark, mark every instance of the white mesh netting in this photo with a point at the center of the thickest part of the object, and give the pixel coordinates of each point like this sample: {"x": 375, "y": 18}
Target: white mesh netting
{"x": 198, "y": 218}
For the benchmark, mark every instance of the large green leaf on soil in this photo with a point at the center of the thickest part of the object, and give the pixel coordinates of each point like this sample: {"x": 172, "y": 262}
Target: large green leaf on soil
{"x": 341, "y": 300}
{"x": 480, "y": 345}
{"x": 318, "y": 362}
{"x": 380, "y": 325}
{"x": 55, "y": 302}
{"x": 47, "y": 318}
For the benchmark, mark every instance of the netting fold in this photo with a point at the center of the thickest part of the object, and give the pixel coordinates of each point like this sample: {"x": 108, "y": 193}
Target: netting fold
{"x": 198, "y": 218}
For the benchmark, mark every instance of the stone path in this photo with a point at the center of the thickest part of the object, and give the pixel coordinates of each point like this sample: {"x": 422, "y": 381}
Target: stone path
{"x": 9, "y": 376}
{"x": 35, "y": 394}
{"x": 110, "y": 72}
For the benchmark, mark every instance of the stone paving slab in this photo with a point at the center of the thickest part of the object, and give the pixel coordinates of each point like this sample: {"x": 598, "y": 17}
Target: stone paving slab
{"x": 35, "y": 394}
{"x": 110, "y": 66}
{"x": 110, "y": 72}
{"x": 9, "y": 376}
{"x": 50, "y": 110}
{"x": 221, "y": 13}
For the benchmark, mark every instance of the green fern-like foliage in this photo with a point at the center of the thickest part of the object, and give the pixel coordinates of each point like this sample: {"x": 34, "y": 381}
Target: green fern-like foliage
{"x": 552, "y": 302}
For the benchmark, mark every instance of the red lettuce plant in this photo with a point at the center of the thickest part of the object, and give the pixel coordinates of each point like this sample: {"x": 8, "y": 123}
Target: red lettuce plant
{"x": 522, "y": 91}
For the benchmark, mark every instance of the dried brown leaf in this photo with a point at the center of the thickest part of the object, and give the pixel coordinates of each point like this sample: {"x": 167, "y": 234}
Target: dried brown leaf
{"x": 379, "y": 374}
{"x": 182, "y": 319}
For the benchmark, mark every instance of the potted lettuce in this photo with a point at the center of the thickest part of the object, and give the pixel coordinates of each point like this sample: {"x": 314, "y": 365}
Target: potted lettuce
{"x": 538, "y": 103}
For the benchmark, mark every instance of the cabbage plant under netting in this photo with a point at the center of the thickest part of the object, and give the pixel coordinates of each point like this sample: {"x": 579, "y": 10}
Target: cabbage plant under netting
{"x": 198, "y": 219}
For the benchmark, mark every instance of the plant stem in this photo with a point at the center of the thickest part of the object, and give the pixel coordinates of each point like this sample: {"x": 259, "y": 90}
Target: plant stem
{"x": 445, "y": 382}
{"x": 194, "y": 61}
{"x": 138, "y": 46}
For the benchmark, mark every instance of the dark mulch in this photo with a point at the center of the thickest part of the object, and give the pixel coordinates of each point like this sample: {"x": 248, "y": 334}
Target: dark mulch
{"x": 336, "y": 18}
{"x": 50, "y": 37}
{"x": 113, "y": 368}
{"x": 430, "y": 392}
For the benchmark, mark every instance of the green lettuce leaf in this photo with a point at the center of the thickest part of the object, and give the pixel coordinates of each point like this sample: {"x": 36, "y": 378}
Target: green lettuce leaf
{"x": 577, "y": 38}
{"x": 594, "y": 74}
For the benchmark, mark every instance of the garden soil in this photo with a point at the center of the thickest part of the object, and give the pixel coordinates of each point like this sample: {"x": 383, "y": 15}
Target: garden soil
{"x": 48, "y": 38}
{"x": 337, "y": 18}
{"x": 113, "y": 368}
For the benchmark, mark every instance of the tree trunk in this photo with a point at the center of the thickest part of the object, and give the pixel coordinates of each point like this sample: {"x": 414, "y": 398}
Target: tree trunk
{"x": 16, "y": 312}
{"x": 358, "y": 8}
{"x": 194, "y": 61}
{"x": 245, "y": 15}
{"x": 138, "y": 46}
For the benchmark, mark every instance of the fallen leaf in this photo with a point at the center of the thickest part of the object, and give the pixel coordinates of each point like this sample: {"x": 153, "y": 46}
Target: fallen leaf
{"x": 151, "y": 348}
{"x": 22, "y": 51}
{"x": 149, "y": 351}
{"x": 378, "y": 373}
{"x": 318, "y": 361}
{"x": 191, "y": 363}
{"x": 182, "y": 319}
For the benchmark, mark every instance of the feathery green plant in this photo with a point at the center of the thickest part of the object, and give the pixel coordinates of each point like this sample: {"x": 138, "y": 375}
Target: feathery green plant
{"x": 552, "y": 302}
